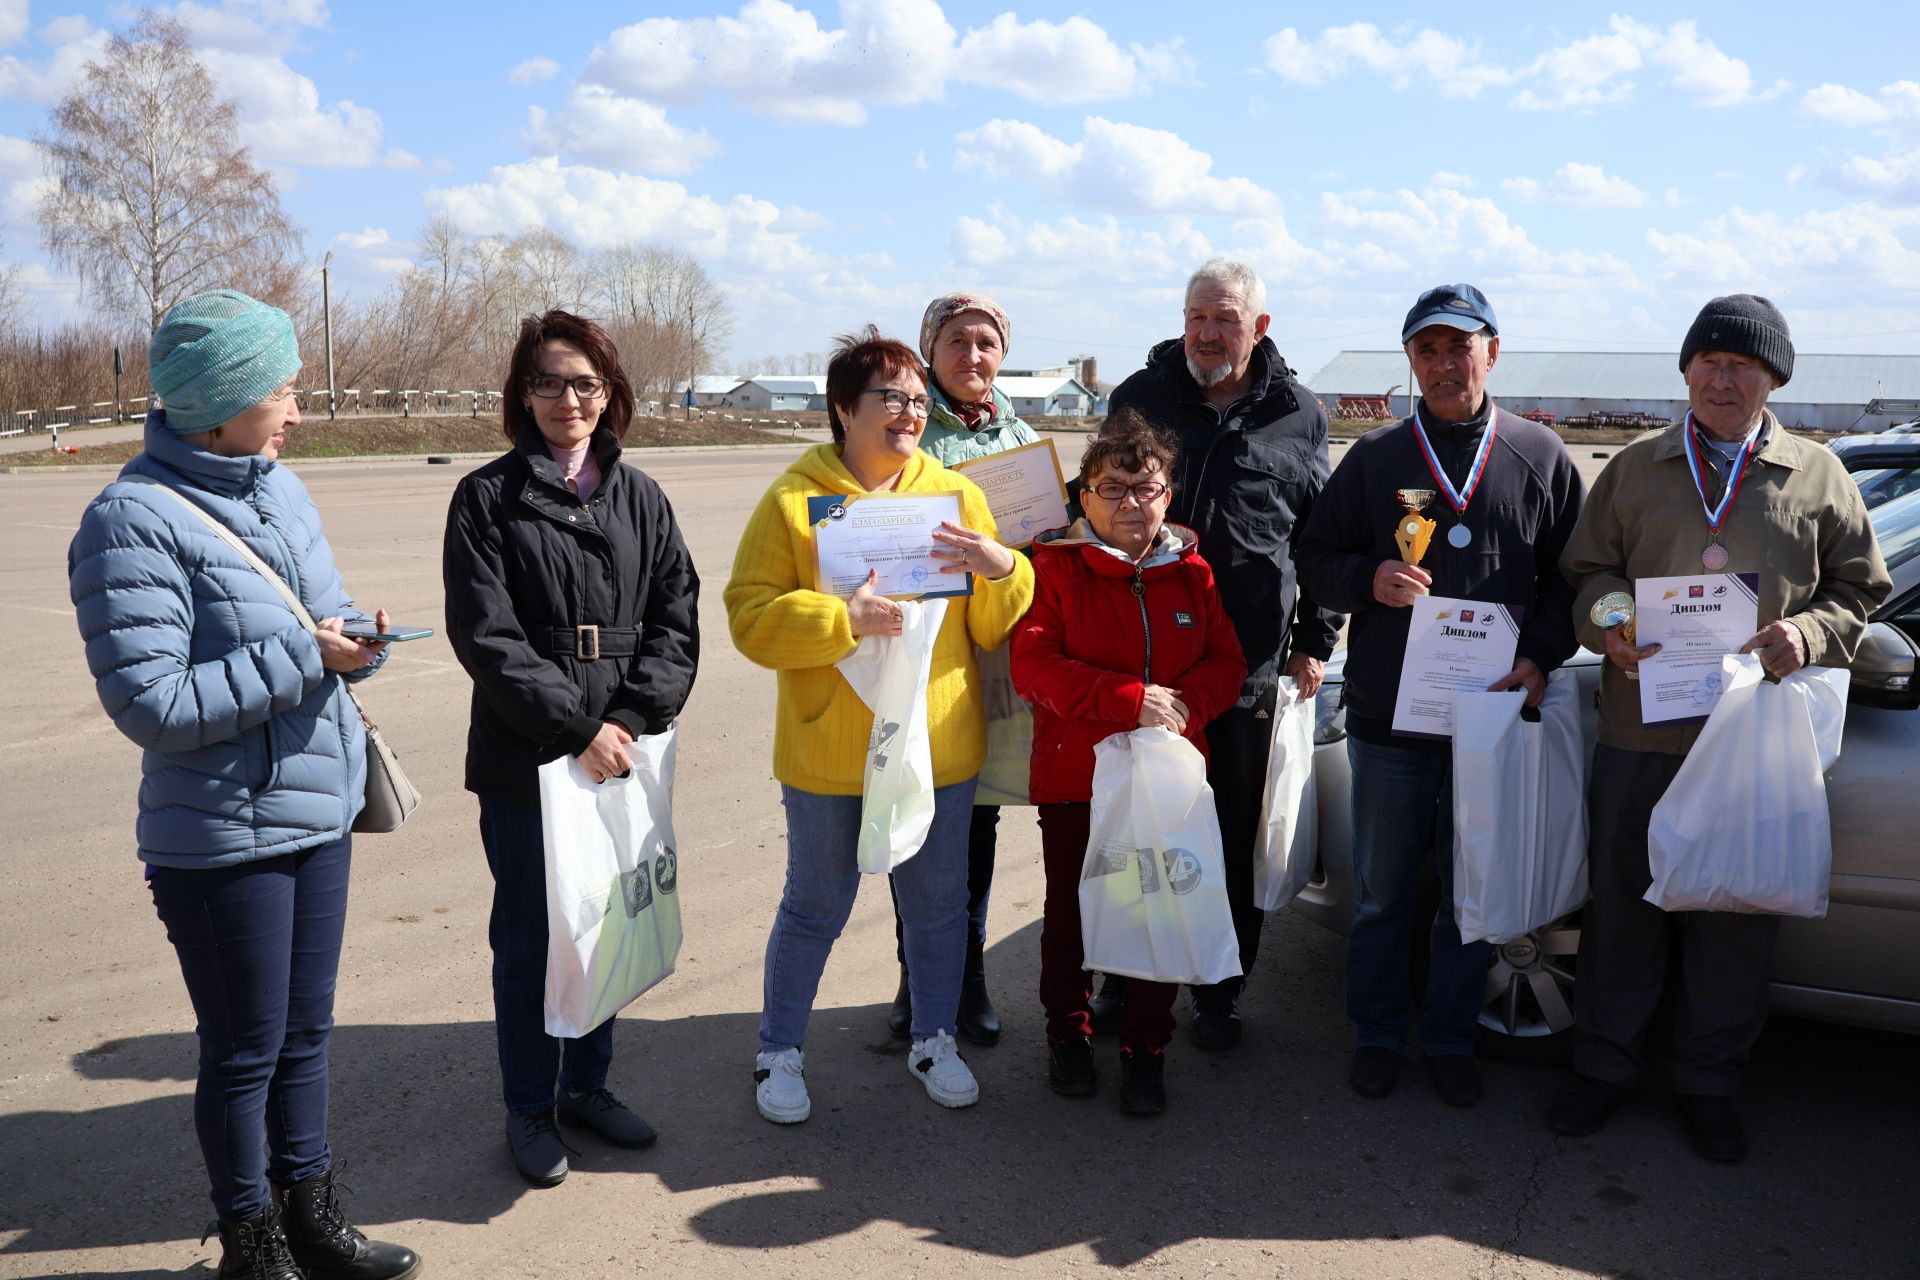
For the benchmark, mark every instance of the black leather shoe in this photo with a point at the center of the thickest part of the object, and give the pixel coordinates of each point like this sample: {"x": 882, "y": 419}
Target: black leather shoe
{"x": 1373, "y": 1071}
{"x": 1106, "y": 1002}
{"x": 328, "y": 1247}
{"x": 1715, "y": 1128}
{"x": 1455, "y": 1078}
{"x": 255, "y": 1249}
{"x": 977, "y": 1021}
{"x": 1583, "y": 1105}
{"x": 900, "y": 1016}
{"x": 1143, "y": 1082}
{"x": 606, "y": 1115}
{"x": 1216, "y": 1022}
{"x": 538, "y": 1153}
{"x": 1070, "y": 1069}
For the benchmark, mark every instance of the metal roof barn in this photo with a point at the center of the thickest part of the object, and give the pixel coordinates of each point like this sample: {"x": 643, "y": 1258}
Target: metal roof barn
{"x": 1828, "y": 392}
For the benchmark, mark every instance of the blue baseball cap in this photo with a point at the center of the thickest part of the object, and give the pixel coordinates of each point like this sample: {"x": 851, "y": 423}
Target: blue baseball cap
{"x": 1458, "y": 306}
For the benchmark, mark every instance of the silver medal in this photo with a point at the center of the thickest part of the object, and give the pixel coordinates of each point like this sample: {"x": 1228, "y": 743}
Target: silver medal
{"x": 1714, "y": 557}
{"x": 1458, "y": 537}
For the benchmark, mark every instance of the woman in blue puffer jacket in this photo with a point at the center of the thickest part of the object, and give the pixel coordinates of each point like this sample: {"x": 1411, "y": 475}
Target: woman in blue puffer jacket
{"x": 254, "y": 766}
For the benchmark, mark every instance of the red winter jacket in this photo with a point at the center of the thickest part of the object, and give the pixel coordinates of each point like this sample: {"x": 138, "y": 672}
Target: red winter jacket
{"x": 1081, "y": 654}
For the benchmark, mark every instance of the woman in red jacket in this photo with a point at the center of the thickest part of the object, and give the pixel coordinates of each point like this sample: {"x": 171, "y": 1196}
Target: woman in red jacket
{"x": 1126, "y": 631}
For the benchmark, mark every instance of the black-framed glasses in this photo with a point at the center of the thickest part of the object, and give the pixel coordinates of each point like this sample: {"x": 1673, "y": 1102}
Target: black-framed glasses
{"x": 898, "y": 402}
{"x": 1144, "y": 492}
{"x": 551, "y": 386}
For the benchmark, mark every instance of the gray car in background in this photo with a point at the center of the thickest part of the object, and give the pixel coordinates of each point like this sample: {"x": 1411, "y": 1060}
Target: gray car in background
{"x": 1860, "y": 964}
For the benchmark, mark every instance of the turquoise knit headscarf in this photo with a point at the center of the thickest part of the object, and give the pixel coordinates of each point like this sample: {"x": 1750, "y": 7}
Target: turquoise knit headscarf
{"x": 217, "y": 355}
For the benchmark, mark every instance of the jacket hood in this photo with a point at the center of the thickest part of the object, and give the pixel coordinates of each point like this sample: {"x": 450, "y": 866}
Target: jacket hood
{"x": 216, "y": 473}
{"x": 1175, "y": 542}
{"x": 1169, "y": 360}
{"x": 822, "y": 465}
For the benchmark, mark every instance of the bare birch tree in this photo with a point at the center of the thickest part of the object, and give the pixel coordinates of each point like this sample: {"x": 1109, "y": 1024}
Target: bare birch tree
{"x": 153, "y": 200}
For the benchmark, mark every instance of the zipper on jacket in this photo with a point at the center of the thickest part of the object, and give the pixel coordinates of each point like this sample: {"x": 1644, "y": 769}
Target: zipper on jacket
{"x": 1146, "y": 628}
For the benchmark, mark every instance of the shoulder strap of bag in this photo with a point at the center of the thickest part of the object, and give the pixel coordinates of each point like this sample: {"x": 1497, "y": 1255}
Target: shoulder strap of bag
{"x": 248, "y": 554}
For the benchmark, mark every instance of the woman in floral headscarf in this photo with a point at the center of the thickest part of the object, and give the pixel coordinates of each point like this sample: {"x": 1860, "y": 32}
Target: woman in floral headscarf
{"x": 963, "y": 339}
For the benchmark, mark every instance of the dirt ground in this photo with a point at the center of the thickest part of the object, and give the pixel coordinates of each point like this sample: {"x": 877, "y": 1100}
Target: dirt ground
{"x": 1264, "y": 1165}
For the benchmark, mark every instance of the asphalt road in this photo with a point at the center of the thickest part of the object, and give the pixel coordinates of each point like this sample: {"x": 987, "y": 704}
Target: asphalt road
{"x": 1264, "y": 1165}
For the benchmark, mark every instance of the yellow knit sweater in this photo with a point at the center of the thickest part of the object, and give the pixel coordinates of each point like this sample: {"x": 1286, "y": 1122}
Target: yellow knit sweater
{"x": 779, "y": 619}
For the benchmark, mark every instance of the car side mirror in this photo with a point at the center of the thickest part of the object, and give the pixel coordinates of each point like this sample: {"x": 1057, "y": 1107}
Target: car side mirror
{"x": 1883, "y": 670}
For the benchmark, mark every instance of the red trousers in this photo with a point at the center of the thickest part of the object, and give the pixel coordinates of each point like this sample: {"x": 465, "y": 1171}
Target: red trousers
{"x": 1146, "y": 1020}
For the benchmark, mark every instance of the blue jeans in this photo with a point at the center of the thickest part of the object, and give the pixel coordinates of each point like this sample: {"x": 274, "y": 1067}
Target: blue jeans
{"x": 259, "y": 947}
{"x": 930, "y": 889}
{"x": 1402, "y": 806}
{"x": 530, "y": 1059}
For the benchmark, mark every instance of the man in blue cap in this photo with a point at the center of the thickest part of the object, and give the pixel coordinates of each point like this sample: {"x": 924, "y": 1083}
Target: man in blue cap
{"x": 1502, "y": 495}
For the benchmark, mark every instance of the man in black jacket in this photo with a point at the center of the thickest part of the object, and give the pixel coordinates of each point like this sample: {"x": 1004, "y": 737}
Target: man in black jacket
{"x": 1503, "y": 495}
{"x": 1252, "y": 457}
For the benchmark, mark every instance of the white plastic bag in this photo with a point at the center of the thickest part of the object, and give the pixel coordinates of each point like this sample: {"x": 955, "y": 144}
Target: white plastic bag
{"x": 890, "y": 675}
{"x": 613, "y": 907}
{"x": 1153, "y": 889}
{"x": 1744, "y": 824}
{"x": 1288, "y": 844}
{"x": 1519, "y": 811}
{"x": 1007, "y": 773}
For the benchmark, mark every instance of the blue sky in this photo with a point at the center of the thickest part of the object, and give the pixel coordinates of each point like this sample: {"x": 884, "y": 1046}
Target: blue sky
{"x": 1600, "y": 175}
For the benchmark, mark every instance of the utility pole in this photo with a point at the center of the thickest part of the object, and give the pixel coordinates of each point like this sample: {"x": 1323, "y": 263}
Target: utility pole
{"x": 116, "y": 385}
{"x": 326, "y": 321}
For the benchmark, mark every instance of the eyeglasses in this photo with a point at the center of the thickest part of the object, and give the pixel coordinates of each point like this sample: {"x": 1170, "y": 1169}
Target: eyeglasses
{"x": 549, "y": 386}
{"x": 1143, "y": 493}
{"x": 898, "y": 402}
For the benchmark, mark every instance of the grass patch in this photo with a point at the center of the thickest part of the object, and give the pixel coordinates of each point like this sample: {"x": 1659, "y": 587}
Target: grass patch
{"x": 382, "y": 437}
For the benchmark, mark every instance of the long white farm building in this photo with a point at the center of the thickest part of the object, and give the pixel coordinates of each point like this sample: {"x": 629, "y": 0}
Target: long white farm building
{"x": 1827, "y": 393}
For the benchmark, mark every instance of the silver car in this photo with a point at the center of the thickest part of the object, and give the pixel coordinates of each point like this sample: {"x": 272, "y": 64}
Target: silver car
{"x": 1860, "y": 964}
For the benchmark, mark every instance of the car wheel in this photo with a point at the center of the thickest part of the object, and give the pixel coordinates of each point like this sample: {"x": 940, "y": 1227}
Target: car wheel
{"x": 1527, "y": 1015}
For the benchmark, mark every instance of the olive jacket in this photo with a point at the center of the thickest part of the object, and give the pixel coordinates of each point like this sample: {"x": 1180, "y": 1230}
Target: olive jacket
{"x": 1798, "y": 521}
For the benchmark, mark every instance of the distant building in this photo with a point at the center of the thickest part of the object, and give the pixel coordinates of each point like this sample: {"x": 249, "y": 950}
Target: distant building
{"x": 787, "y": 393}
{"x": 1827, "y": 393}
{"x": 1046, "y": 396}
{"x": 710, "y": 390}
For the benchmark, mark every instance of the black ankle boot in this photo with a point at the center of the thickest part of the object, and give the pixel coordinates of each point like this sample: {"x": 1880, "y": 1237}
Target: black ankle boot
{"x": 255, "y": 1249}
{"x": 900, "y": 1016}
{"x": 978, "y": 1022}
{"x": 328, "y": 1247}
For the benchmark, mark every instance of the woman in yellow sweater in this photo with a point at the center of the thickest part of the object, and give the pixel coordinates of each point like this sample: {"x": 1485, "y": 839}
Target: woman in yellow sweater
{"x": 877, "y": 406}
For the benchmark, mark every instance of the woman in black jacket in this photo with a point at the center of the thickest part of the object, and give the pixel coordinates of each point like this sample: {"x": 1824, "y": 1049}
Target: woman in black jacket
{"x": 571, "y": 602}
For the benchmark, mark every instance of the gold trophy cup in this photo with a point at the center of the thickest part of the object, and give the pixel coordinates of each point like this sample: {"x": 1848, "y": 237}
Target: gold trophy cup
{"x": 1414, "y": 531}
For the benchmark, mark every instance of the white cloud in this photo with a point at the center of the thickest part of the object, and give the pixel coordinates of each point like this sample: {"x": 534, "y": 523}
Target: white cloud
{"x": 774, "y": 59}
{"x": 1125, "y": 167}
{"x": 1102, "y": 249}
{"x": 366, "y": 239}
{"x": 533, "y": 71}
{"x": 1894, "y": 115}
{"x": 595, "y": 207}
{"x": 1579, "y": 186}
{"x": 1449, "y": 64}
{"x": 74, "y": 41}
{"x": 282, "y": 119}
{"x": 1821, "y": 258}
{"x": 1057, "y": 63}
{"x": 601, "y": 127}
{"x": 1593, "y": 71}
{"x": 13, "y": 21}
{"x": 920, "y": 160}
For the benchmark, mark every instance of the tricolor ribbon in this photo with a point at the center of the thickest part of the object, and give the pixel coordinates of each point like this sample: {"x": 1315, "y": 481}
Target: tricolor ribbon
{"x": 1457, "y": 497}
{"x": 1697, "y": 468}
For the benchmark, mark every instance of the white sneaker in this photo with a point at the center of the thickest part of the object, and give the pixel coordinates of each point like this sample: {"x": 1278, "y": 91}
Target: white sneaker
{"x": 780, "y": 1090}
{"x": 936, "y": 1063}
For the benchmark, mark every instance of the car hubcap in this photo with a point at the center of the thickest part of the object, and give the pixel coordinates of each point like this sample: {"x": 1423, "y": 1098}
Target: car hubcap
{"x": 1530, "y": 983}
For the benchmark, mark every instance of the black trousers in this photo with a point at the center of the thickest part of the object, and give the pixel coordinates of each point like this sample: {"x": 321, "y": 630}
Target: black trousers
{"x": 1237, "y": 745}
{"x": 1724, "y": 957}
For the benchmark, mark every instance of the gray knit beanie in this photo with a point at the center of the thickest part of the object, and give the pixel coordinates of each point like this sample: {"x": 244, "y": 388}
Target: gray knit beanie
{"x": 1744, "y": 324}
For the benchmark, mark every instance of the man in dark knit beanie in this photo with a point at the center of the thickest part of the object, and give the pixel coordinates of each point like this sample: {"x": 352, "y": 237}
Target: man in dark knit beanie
{"x": 1727, "y": 491}
{"x": 1743, "y": 324}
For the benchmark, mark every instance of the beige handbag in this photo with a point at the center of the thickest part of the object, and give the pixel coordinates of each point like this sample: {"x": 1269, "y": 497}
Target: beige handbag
{"x": 391, "y": 796}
